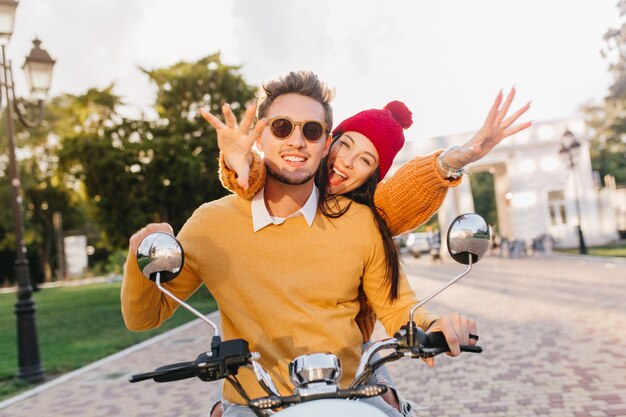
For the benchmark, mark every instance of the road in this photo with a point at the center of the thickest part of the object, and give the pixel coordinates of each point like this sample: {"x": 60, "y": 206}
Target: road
{"x": 554, "y": 334}
{"x": 553, "y": 330}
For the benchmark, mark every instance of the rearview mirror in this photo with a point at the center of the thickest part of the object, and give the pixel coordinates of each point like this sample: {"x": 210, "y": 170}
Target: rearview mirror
{"x": 468, "y": 236}
{"x": 160, "y": 253}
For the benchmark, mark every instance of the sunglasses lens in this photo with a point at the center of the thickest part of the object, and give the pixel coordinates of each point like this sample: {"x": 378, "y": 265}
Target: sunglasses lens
{"x": 281, "y": 128}
{"x": 312, "y": 131}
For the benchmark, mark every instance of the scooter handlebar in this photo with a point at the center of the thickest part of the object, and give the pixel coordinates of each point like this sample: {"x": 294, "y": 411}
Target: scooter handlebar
{"x": 224, "y": 359}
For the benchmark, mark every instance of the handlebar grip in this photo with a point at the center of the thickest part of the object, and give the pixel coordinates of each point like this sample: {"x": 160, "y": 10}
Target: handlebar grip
{"x": 437, "y": 340}
{"x": 173, "y": 366}
{"x": 471, "y": 349}
{"x": 141, "y": 377}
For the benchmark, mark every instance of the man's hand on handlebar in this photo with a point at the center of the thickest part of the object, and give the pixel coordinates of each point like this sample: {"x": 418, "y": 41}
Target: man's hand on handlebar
{"x": 457, "y": 329}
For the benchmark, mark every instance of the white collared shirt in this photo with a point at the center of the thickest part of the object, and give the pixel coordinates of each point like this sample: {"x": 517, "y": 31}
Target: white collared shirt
{"x": 261, "y": 217}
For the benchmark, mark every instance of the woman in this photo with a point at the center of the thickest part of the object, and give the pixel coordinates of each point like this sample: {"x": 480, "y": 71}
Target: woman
{"x": 361, "y": 153}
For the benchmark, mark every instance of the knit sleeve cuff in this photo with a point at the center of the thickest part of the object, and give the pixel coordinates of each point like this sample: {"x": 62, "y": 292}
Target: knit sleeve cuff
{"x": 413, "y": 194}
{"x": 426, "y": 169}
{"x": 256, "y": 179}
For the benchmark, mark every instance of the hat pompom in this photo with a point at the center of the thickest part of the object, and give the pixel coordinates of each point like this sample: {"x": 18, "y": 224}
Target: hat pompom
{"x": 401, "y": 113}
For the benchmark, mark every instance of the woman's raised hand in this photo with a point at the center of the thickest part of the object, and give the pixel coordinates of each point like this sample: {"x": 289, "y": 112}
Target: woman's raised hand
{"x": 235, "y": 141}
{"x": 497, "y": 126}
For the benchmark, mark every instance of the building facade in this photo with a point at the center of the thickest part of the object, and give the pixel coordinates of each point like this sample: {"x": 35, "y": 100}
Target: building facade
{"x": 536, "y": 192}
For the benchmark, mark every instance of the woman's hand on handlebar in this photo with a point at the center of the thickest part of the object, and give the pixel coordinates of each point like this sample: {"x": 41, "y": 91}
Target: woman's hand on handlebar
{"x": 457, "y": 329}
{"x": 135, "y": 240}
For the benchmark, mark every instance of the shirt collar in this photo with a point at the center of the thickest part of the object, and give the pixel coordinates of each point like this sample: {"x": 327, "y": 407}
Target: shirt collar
{"x": 262, "y": 218}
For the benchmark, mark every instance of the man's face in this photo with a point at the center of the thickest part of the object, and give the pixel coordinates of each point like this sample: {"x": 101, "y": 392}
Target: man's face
{"x": 293, "y": 160}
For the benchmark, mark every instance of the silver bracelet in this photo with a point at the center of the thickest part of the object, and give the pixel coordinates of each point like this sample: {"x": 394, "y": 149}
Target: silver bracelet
{"x": 451, "y": 172}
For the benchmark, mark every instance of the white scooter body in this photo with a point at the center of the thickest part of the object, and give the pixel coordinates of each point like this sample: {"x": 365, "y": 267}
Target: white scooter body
{"x": 331, "y": 408}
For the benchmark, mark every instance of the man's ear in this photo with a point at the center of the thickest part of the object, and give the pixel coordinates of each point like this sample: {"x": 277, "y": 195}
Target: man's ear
{"x": 327, "y": 146}
{"x": 258, "y": 143}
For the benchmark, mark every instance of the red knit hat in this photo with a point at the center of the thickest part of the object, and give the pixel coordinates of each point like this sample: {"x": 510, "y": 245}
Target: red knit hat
{"x": 383, "y": 128}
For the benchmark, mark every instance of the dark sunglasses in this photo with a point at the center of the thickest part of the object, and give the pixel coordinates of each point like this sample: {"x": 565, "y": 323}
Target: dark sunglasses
{"x": 283, "y": 127}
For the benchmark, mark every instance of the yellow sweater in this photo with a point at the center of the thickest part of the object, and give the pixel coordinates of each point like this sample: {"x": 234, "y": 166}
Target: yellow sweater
{"x": 405, "y": 200}
{"x": 278, "y": 288}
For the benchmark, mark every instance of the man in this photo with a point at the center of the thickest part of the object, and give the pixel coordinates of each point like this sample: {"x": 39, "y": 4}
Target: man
{"x": 285, "y": 277}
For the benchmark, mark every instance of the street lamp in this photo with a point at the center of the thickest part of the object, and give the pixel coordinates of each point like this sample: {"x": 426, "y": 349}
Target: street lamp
{"x": 570, "y": 154}
{"x": 38, "y": 69}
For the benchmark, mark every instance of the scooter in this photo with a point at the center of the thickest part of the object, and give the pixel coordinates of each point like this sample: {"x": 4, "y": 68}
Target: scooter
{"x": 315, "y": 376}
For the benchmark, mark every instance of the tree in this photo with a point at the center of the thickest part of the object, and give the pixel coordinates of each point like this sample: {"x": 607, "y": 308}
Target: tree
{"x": 96, "y": 167}
{"x": 484, "y": 196}
{"x": 43, "y": 189}
{"x": 608, "y": 120}
{"x": 140, "y": 171}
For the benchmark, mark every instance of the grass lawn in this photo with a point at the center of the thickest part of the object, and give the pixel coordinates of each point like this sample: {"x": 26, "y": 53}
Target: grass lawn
{"x": 76, "y": 326}
{"x": 609, "y": 250}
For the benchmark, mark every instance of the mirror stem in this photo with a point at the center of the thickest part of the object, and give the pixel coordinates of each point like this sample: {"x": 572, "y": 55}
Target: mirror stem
{"x": 187, "y": 306}
{"x": 469, "y": 267}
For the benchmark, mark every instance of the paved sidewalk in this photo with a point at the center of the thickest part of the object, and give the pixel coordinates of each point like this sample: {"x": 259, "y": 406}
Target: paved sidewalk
{"x": 554, "y": 333}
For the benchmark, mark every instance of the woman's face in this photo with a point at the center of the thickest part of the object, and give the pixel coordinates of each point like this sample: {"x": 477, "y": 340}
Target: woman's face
{"x": 351, "y": 161}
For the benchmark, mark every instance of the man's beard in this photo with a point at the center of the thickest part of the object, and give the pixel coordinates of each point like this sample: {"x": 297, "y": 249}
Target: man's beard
{"x": 289, "y": 181}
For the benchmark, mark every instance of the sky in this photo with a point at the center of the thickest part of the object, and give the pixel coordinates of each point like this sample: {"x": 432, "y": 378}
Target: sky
{"x": 446, "y": 59}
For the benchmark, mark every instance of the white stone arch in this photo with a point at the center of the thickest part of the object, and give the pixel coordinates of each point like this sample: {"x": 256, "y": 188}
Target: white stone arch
{"x": 528, "y": 174}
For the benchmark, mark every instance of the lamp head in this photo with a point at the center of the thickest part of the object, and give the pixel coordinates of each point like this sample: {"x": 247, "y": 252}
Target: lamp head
{"x": 38, "y": 70}
{"x": 7, "y": 19}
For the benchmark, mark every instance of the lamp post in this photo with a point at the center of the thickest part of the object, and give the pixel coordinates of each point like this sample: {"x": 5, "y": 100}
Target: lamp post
{"x": 570, "y": 154}
{"x": 38, "y": 70}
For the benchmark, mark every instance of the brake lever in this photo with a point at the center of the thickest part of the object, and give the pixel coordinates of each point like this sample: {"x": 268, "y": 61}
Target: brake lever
{"x": 164, "y": 371}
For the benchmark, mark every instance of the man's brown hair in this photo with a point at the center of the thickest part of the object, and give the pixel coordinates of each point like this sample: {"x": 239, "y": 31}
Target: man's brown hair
{"x": 305, "y": 83}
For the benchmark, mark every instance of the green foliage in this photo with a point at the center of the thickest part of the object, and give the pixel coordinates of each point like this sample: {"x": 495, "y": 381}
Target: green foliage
{"x": 115, "y": 262}
{"x": 137, "y": 172}
{"x": 109, "y": 174}
{"x": 618, "y": 250}
{"x": 76, "y": 326}
{"x": 44, "y": 192}
{"x": 608, "y": 120}
{"x": 484, "y": 196}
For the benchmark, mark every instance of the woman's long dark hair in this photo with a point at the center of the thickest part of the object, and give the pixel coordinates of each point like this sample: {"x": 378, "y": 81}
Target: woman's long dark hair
{"x": 329, "y": 207}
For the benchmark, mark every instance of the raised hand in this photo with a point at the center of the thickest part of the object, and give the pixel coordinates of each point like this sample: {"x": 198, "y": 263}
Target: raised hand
{"x": 496, "y": 127}
{"x": 235, "y": 141}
